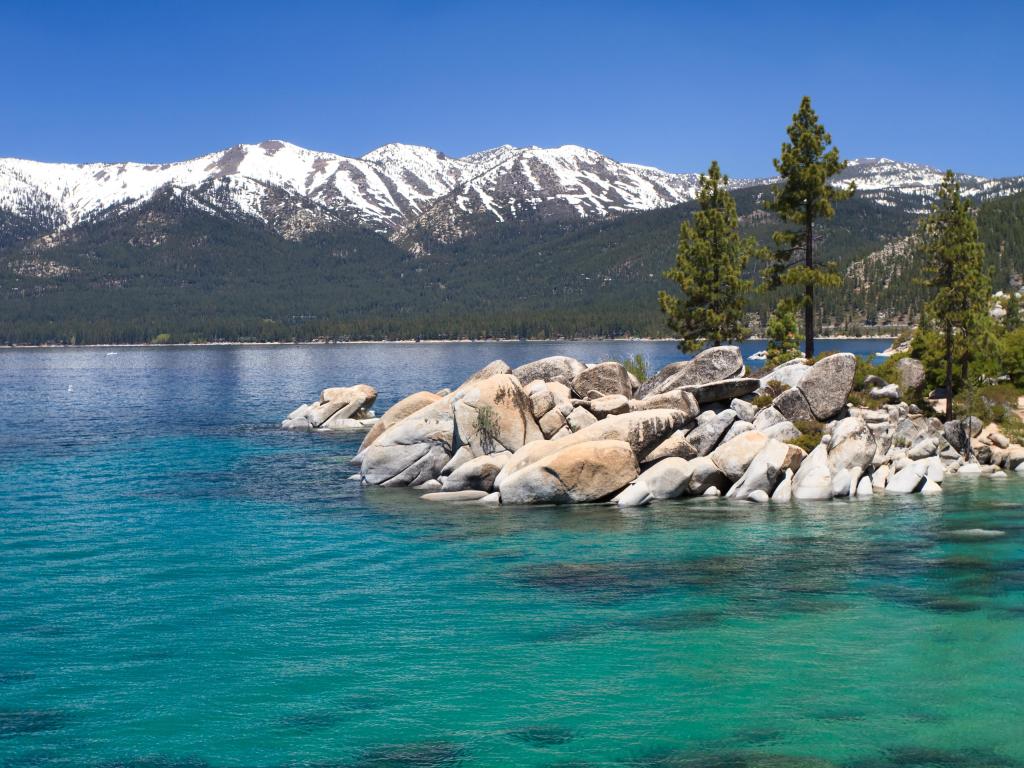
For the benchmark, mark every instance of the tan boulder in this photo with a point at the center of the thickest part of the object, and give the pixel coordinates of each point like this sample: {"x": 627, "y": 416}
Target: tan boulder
{"x": 588, "y": 471}
{"x": 494, "y": 415}
{"x": 642, "y": 430}
{"x": 346, "y": 394}
{"x": 676, "y": 399}
{"x": 609, "y": 405}
{"x": 607, "y": 378}
{"x": 675, "y": 445}
{"x": 477, "y": 473}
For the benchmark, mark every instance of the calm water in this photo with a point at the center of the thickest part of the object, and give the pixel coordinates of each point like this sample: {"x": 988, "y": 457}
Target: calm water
{"x": 181, "y": 583}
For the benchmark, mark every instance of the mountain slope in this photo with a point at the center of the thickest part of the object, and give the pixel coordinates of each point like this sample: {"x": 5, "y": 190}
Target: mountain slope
{"x": 272, "y": 241}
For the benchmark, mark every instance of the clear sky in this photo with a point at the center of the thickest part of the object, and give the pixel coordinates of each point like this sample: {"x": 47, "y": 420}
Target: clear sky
{"x": 672, "y": 84}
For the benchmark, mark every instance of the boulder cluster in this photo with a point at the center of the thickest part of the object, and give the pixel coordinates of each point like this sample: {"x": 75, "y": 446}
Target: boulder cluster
{"x": 558, "y": 431}
{"x": 339, "y": 408}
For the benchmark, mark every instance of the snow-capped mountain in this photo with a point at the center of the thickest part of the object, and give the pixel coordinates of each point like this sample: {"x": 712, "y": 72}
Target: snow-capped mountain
{"x": 884, "y": 181}
{"x": 399, "y": 188}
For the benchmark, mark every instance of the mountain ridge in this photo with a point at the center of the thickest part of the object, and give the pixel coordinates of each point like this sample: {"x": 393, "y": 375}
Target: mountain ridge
{"x": 400, "y": 188}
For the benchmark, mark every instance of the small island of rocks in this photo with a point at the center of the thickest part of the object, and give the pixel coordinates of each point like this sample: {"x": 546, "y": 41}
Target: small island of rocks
{"x": 558, "y": 431}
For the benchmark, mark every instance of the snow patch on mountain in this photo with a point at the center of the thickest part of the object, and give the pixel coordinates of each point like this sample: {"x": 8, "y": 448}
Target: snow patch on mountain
{"x": 400, "y": 186}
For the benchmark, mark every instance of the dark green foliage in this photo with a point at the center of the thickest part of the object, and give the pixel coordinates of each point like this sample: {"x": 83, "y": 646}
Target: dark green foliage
{"x": 638, "y": 365}
{"x": 783, "y": 334}
{"x": 992, "y": 403}
{"x": 810, "y": 434}
{"x": 955, "y": 272}
{"x": 709, "y": 270}
{"x": 1012, "y": 320}
{"x": 772, "y": 389}
{"x": 1012, "y": 356}
{"x": 804, "y": 194}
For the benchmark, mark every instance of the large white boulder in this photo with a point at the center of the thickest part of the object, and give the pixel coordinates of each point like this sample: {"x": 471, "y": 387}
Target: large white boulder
{"x": 909, "y": 479}
{"x": 641, "y": 429}
{"x": 733, "y": 457}
{"x": 668, "y": 479}
{"x": 852, "y": 445}
{"x": 767, "y": 469}
{"x": 400, "y": 410}
{"x": 814, "y": 478}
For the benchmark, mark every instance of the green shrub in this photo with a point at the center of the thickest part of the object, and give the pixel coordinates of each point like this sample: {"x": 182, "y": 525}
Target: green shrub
{"x": 864, "y": 400}
{"x": 996, "y": 403}
{"x": 772, "y": 389}
{"x": 486, "y": 426}
{"x": 810, "y": 434}
{"x": 638, "y": 365}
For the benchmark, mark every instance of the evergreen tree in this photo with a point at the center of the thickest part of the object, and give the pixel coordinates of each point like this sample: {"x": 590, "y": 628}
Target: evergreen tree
{"x": 954, "y": 269}
{"x": 783, "y": 334}
{"x": 709, "y": 270}
{"x": 803, "y": 195}
{"x": 1012, "y": 319}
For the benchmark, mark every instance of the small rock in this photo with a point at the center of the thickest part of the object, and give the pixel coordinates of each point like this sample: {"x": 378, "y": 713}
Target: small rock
{"x": 890, "y": 392}
{"x": 609, "y": 405}
{"x": 579, "y": 418}
{"x": 744, "y": 411}
{"x": 636, "y": 494}
{"x": 454, "y": 496}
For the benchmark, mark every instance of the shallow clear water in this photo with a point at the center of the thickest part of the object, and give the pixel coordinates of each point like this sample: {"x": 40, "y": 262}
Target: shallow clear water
{"x": 183, "y": 583}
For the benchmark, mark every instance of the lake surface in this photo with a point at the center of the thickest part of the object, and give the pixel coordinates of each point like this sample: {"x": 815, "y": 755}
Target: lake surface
{"x": 184, "y": 584}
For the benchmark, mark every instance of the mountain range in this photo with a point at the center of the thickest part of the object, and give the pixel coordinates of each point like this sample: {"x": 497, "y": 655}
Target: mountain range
{"x": 274, "y": 240}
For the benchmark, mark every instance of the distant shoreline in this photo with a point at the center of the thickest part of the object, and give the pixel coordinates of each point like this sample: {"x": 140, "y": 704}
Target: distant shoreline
{"x": 617, "y": 339}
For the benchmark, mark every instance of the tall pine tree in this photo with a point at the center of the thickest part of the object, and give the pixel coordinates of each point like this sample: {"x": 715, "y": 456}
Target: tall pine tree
{"x": 954, "y": 269}
{"x": 803, "y": 195}
{"x": 709, "y": 270}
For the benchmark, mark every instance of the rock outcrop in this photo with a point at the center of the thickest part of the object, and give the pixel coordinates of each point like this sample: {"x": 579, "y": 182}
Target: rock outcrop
{"x": 339, "y": 408}
{"x": 557, "y": 431}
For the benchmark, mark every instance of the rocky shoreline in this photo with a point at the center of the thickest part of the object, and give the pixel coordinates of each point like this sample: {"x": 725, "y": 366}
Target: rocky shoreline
{"x": 558, "y": 431}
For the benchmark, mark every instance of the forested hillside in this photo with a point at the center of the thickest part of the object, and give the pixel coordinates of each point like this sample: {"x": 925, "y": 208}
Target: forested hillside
{"x": 168, "y": 270}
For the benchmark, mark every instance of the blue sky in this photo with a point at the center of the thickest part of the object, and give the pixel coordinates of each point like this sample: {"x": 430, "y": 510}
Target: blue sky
{"x": 672, "y": 84}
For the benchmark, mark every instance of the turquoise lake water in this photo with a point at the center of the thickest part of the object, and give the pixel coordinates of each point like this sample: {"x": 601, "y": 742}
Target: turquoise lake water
{"x": 184, "y": 584}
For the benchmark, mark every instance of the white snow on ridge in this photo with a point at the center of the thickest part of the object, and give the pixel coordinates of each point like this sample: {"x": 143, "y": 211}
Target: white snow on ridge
{"x": 392, "y": 185}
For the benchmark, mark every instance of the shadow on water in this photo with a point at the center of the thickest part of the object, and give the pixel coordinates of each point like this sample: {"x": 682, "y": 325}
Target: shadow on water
{"x": 428, "y": 754}
{"x": 929, "y": 757}
{"x": 687, "y": 758}
{"x": 19, "y": 722}
{"x": 542, "y": 735}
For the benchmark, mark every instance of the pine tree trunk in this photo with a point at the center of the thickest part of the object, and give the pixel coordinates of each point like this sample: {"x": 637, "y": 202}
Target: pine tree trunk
{"x": 809, "y": 290}
{"x": 949, "y": 372}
